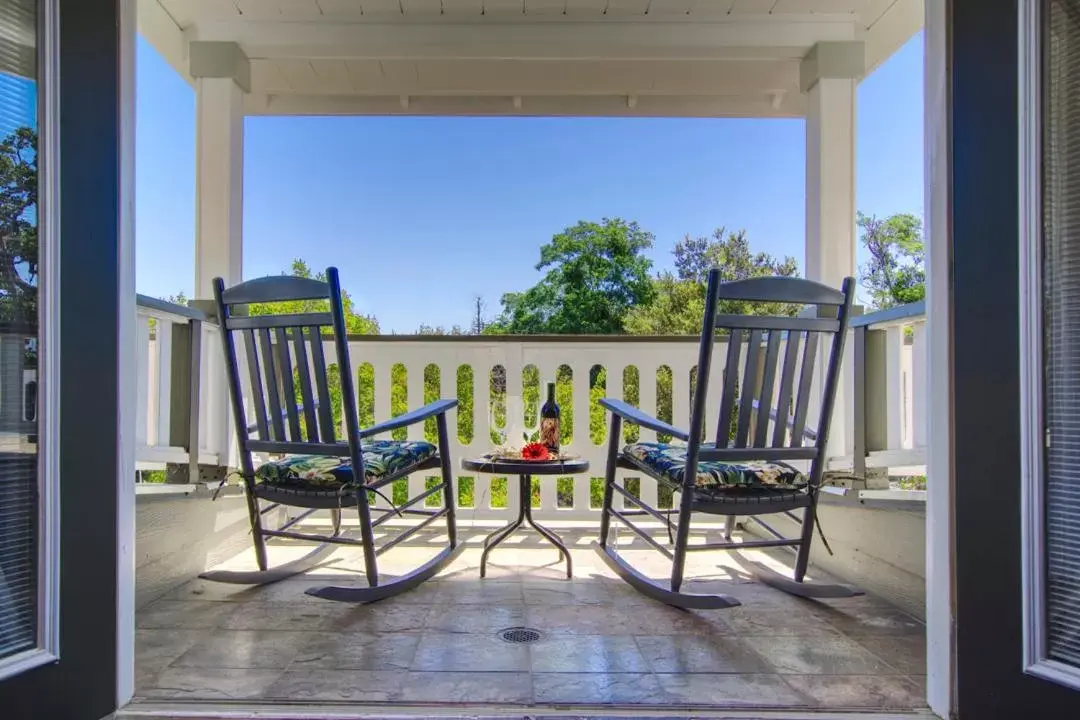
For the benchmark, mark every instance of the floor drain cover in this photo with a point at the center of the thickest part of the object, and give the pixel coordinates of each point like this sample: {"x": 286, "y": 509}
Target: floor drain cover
{"x": 520, "y": 635}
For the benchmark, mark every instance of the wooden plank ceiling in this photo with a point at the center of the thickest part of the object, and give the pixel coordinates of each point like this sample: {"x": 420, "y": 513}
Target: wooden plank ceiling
{"x": 545, "y": 57}
{"x": 186, "y": 12}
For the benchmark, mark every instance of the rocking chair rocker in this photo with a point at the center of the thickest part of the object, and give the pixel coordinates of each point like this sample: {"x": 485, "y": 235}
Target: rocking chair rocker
{"x": 284, "y": 352}
{"x": 745, "y": 473}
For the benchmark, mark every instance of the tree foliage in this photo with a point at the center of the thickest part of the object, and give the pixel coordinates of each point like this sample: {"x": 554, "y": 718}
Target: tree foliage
{"x": 679, "y": 298}
{"x": 18, "y": 227}
{"x": 425, "y": 329}
{"x": 596, "y": 272}
{"x": 355, "y": 324}
{"x": 894, "y": 275}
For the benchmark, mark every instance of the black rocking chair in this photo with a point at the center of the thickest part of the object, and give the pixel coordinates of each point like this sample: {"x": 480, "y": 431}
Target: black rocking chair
{"x": 292, "y": 418}
{"x": 744, "y": 473}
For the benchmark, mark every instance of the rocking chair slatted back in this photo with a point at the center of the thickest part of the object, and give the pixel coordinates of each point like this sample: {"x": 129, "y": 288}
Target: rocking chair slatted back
{"x": 287, "y": 386}
{"x": 787, "y": 381}
{"x": 307, "y": 398}
{"x": 771, "y": 380}
{"x": 324, "y": 408}
{"x": 288, "y": 392}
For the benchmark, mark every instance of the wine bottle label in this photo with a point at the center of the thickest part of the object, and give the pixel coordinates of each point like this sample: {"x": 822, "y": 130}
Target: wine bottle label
{"x": 549, "y": 433}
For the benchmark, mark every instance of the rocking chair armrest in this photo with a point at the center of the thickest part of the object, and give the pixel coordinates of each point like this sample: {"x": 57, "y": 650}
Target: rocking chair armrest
{"x": 631, "y": 414}
{"x": 439, "y": 407}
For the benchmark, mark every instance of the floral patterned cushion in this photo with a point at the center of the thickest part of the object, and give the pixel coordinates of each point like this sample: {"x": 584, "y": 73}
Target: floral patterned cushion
{"x": 668, "y": 463}
{"x": 381, "y": 458}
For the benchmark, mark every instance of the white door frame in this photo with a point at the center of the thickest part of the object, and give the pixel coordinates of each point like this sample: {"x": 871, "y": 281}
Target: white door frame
{"x": 126, "y": 366}
{"x": 940, "y": 547}
{"x": 940, "y": 595}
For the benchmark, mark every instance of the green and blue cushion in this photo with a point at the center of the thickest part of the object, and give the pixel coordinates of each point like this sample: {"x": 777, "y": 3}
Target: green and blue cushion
{"x": 319, "y": 472}
{"x": 667, "y": 463}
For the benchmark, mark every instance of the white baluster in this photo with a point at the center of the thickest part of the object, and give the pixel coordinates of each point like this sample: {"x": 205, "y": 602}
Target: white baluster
{"x": 919, "y": 375}
{"x": 680, "y": 395}
{"x": 383, "y": 376}
{"x": 513, "y": 365}
{"x": 161, "y": 433}
{"x": 153, "y": 365}
{"x": 448, "y": 390}
{"x": 894, "y": 389}
{"x": 414, "y": 384}
{"x": 481, "y": 364}
{"x": 647, "y": 372}
{"x": 582, "y": 443}
{"x": 142, "y": 365}
{"x": 647, "y": 402}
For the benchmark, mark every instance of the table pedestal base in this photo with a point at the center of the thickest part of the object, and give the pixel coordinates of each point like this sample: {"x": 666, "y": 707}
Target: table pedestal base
{"x": 524, "y": 516}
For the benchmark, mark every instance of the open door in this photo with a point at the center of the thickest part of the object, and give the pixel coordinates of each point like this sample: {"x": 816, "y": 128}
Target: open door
{"x": 59, "y": 190}
{"x": 1014, "y": 97}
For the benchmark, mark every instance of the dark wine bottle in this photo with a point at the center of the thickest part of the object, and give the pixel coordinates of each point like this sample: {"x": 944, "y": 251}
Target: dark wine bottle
{"x": 549, "y": 422}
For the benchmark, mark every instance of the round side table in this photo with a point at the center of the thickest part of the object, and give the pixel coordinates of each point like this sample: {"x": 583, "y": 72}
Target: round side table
{"x": 525, "y": 470}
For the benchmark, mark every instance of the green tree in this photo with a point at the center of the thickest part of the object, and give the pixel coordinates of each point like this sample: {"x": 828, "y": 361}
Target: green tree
{"x": 18, "y": 227}
{"x": 355, "y": 324}
{"x": 439, "y": 330}
{"x": 677, "y": 308}
{"x": 679, "y": 299}
{"x": 894, "y": 275}
{"x": 596, "y": 272}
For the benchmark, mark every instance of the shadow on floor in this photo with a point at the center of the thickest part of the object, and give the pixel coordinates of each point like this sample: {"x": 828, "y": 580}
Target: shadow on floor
{"x": 601, "y": 643}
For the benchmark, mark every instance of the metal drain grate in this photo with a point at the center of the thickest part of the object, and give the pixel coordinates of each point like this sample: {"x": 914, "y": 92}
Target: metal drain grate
{"x": 520, "y": 635}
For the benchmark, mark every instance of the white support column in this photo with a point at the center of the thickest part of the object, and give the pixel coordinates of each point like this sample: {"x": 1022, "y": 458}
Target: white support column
{"x": 222, "y": 76}
{"x": 219, "y": 183}
{"x": 828, "y": 75}
{"x": 830, "y": 182}
{"x": 940, "y": 480}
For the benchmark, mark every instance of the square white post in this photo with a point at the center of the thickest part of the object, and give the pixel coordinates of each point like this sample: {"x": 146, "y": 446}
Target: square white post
{"x": 828, "y": 76}
{"x": 219, "y": 183}
{"x": 222, "y": 76}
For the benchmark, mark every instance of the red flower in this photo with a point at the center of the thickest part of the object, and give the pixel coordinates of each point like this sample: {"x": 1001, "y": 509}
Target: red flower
{"x": 535, "y": 451}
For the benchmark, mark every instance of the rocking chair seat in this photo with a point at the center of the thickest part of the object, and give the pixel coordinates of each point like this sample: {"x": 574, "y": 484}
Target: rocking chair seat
{"x": 715, "y": 479}
{"x": 382, "y": 458}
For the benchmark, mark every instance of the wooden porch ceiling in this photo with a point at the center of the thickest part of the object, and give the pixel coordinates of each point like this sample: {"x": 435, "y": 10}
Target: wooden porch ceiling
{"x": 529, "y": 57}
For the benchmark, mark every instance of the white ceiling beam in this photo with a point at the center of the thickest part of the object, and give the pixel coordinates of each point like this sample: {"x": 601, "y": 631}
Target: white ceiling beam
{"x": 220, "y": 60}
{"x": 525, "y": 77}
{"x": 831, "y": 60}
{"x": 755, "y": 38}
{"x": 761, "y": 106}
{"x": 888, "y": 32}
{"x": 159, "y": 28}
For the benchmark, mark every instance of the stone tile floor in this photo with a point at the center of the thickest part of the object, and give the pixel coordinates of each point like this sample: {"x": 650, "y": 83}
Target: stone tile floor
{"x": 603, "y": 644}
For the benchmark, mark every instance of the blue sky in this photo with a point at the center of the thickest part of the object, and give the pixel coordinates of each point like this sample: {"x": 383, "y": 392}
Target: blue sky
{"x": 420, "y": 214}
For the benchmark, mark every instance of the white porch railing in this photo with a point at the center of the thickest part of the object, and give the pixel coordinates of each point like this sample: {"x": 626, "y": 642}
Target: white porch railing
{"x": 173, "y": 352}
{"x": 889, "y": 399}
{"x": 884, "y": 422}
{"x": 513, "y": 354}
